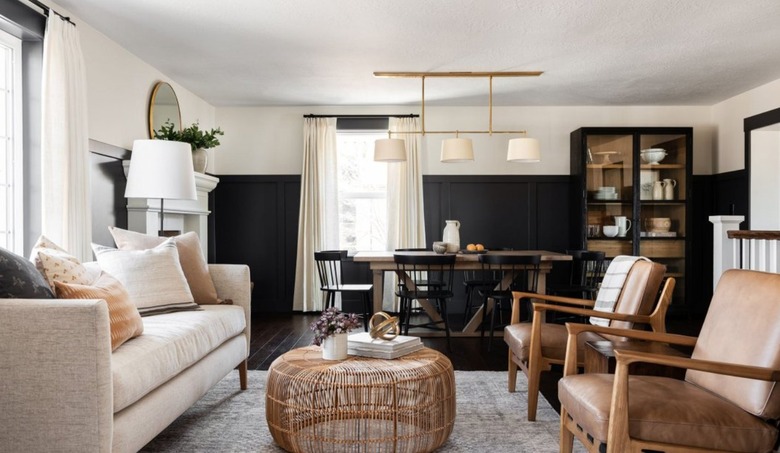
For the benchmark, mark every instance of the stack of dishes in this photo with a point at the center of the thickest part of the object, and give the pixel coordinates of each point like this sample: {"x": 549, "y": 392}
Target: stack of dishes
{"x": 606, "y": 193}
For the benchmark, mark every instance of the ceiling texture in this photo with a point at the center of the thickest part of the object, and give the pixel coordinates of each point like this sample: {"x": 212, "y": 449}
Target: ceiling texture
{"x": 318, "y": 52}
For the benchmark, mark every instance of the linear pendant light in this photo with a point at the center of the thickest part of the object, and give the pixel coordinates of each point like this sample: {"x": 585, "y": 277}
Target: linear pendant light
{"x": 458, "y": 149}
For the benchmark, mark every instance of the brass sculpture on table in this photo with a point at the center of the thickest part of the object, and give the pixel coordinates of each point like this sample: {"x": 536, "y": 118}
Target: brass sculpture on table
{"x": 386, "y": 329}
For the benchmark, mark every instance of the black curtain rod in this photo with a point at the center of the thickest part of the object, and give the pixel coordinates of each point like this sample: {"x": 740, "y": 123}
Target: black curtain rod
{"x": 47, "y": 10}
{"x": 411, "y": 115}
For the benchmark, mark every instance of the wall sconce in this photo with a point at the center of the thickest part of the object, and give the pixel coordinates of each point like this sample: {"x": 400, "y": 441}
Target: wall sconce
{"x": 460, "y": 149}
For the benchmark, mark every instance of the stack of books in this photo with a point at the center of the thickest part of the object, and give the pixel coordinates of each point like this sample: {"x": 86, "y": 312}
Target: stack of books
{"x": 361, "y": 344}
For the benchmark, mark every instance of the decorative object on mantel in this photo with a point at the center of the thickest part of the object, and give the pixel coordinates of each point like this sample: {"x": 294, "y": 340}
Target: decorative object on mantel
{"x": 330, "y": 332}
{"x": 160, "y": 169}
{"x": 458, "y": 149}
{"x": 199, "y": 140}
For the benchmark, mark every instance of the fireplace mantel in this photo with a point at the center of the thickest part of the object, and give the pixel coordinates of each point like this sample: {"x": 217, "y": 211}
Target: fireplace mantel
{"x": 143, "y": 214}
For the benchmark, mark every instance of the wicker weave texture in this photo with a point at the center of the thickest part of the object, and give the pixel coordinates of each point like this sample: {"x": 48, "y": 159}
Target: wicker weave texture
{"x": 360, "y": 404}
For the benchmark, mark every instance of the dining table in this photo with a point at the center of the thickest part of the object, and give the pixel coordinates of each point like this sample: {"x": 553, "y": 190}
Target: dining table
{"x": 381, "y": 262}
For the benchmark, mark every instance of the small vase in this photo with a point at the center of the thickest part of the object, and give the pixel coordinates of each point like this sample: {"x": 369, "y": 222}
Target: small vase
{"x": 200, "y": 158}
{"x": 335, "y": 347}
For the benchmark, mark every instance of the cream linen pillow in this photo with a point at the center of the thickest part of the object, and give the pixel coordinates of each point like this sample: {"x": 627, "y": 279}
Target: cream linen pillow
{"x": 196, "y": 271}
{"x": 57, "y": 265}
{"x": 124, "y": 318}
{"x": 153, "y": 277}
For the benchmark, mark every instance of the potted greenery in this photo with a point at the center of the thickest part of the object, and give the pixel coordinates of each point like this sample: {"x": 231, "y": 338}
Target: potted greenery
{"x": 199, "y": 140}
{"x": 330, "y": 332}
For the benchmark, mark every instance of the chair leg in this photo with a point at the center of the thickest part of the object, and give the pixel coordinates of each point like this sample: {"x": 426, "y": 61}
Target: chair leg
{"x": 566, "y": 436}
{"x": 366, "y": 311}
{"x": 443, "y": 305}
{"x": 467, "y": 311}
{"x": 496, "y": 307}
{"x": 534, "y": 373}
{"x": 512, "y": 373}
{"x": 242, "y": 375}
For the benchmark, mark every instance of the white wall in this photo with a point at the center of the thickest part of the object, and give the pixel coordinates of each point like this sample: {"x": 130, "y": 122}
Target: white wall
{"x": 764, "y": 183}
{"x": 269, "y": 140}
{"x": 119, "y": 85}
{"x": 729, "y": 116}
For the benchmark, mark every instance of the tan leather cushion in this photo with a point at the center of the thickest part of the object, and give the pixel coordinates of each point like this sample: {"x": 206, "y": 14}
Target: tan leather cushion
{"x": 125, "y": 322}
{"x": 640, "y": 291}
{"x": 193, "y": 264}
{"x": 665, "y": 410}
{"x": 554, "y": 337}
{"x": 742, "y": 326}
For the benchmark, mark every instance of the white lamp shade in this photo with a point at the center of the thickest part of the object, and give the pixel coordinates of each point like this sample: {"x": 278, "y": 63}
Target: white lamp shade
{"x": 389, "y": 150}
{"x": 523, "y": 150}
{"x": 457, "y": 150}
{"x": 161, "y": 169}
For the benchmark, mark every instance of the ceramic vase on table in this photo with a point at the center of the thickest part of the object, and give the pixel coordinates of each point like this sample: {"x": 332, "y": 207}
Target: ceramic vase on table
{"x": 335, "y": 347}
{"x": 451, "y": 235}
{"x": 200, "y": 158}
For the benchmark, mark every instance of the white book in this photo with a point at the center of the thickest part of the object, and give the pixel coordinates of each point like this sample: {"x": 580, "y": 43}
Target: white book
{"x": 363, "y": 341}
{"x": 386, "y": 354}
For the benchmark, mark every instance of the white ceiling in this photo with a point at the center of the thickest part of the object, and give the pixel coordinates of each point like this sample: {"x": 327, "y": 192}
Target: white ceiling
{"x": 317, "y": 52}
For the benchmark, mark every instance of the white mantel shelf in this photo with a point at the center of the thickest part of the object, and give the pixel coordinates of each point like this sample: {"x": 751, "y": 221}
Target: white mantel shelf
{"x": 143, "y": 214}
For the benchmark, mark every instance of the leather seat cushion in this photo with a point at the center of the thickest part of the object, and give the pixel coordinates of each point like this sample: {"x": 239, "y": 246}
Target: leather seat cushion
{"x": 688, "y": 415}
{"x": 554, "y": 336}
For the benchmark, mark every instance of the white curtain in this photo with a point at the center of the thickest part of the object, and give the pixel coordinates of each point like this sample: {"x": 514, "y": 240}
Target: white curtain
{"x": 66, "y": 217}
{"x": 405, "y": 214}
{"x": 318, "y": 224}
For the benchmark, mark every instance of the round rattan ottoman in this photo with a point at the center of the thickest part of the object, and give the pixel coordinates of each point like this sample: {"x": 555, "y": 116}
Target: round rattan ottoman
{"x": 360, "y": 404}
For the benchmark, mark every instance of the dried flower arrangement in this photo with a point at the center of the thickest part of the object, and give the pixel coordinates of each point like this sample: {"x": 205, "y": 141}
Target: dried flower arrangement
{"x": 331, "y": 322}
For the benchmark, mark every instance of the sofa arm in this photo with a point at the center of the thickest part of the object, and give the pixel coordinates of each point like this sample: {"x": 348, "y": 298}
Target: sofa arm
{"x": 232, "y": 282}
{"x": 55, "y": 375}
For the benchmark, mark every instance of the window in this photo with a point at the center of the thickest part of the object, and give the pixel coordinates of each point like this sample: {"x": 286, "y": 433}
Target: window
{"x": 362, "y": 192}
{"x": 11, "y": 213}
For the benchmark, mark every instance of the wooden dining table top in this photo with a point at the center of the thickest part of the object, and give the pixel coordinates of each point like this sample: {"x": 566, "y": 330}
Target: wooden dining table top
{"x": 382, "y": 256}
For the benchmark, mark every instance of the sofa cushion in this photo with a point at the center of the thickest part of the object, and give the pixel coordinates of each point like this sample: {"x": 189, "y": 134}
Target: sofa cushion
{"x": 57, "y": 265}
{"x": 170, "y": 343}
{"x": 20, "y": 280}
{"x": 153, "y": 277}
{"x": 193, "y": 264}
{"x": 125, "y": 322}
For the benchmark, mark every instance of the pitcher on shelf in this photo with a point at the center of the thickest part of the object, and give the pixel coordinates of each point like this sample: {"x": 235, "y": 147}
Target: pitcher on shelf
{"x": 451, "y": 235}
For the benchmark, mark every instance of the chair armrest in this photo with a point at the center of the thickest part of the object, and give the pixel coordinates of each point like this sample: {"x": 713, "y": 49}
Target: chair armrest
{"x": 55, "y": 375}
{"x": 570, "y": 364}
{"x": 517, "y": 296}
{"x": 587, "y": 312}
{"x": 731, "y": 369}
{"x": 233, "y": 282}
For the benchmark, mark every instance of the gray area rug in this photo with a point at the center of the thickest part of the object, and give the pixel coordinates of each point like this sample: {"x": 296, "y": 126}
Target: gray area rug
{"x": 489, "y": 418}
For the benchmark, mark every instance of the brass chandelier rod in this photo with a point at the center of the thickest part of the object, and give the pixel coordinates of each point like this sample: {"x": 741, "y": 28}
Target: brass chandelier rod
{"x": 488, "y": 75}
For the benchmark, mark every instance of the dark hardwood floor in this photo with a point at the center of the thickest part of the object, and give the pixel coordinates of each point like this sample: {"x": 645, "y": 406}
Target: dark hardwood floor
{"x": 274, "y": 334}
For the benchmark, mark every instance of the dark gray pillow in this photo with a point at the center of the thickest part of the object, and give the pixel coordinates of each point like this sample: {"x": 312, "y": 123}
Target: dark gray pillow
{"x": 19, "y": 279}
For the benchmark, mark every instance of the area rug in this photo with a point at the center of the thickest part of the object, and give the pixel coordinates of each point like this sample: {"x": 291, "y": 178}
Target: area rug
{"x": 488, "y": 419}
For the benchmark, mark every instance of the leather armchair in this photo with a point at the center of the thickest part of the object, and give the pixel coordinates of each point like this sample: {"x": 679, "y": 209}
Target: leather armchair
{"x": 729, "y": 400}
{"x": 534, "y": 346}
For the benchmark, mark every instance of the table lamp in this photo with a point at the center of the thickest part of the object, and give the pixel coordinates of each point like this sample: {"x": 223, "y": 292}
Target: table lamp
{"x": 161, "y": 169}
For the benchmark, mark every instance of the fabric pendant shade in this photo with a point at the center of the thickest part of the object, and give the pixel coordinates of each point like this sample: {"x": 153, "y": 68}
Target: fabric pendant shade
{"x": 390, "y": 150}
{"x": 523, "y": 150}
{"x": 457, "y": 150}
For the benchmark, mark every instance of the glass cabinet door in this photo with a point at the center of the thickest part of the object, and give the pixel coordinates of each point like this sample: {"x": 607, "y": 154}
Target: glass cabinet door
{"x": 609, "y": 166}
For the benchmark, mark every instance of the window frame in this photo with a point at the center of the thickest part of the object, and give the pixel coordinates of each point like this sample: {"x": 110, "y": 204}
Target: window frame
{"x": 15, "y": 160}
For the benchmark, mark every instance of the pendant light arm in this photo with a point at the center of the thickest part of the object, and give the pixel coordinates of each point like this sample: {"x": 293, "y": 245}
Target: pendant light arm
{"x": 490, "y": 105}
{"x": 422, "y": 112}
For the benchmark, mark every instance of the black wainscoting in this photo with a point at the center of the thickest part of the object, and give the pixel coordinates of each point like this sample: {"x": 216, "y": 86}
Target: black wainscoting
{"x": 255, "y": 221}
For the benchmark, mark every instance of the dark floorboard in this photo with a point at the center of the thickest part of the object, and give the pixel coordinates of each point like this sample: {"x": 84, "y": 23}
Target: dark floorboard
{"x": 275, "y": 334}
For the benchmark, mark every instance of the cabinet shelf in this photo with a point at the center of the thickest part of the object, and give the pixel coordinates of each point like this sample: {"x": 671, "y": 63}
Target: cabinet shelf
{"x": 662, "y": 167}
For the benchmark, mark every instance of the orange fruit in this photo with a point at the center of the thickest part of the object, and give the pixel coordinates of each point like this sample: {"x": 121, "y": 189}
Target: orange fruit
{"x": 471, "y": 247}
{"x": 480, "y": 247}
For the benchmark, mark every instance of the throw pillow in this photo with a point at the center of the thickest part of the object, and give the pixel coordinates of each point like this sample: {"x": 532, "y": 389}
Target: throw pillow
{"x": 196, "y": 271}
{"x": 153, "y": 277}
{"x": 19, "y": 279}
{"x": 125, "y": 321}
{"x": 57, "y": 265}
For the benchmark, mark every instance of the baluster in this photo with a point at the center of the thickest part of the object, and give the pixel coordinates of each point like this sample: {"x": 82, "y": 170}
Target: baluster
{"x": 761, "y": 264}
{"x": 773, "y": 256}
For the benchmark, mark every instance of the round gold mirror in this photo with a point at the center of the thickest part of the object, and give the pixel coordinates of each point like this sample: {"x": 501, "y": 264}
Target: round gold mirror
{"x": 163, "y": 106}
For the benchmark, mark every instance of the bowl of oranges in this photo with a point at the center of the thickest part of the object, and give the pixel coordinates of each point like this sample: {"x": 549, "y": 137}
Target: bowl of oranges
{"x": 474, "y": 248}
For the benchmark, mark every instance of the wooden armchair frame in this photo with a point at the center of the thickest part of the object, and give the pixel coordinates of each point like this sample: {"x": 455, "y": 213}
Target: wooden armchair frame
{"x": 538, "y": 363}
{"x": 618, "y": 439}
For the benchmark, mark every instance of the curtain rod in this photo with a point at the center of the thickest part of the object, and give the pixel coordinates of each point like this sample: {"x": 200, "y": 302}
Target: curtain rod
{"x": 46, "y": 11}
{"x": 411, "y": 115}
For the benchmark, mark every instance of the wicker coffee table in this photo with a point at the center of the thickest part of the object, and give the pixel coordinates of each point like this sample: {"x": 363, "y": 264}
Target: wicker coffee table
{"x": 360, "y": 404}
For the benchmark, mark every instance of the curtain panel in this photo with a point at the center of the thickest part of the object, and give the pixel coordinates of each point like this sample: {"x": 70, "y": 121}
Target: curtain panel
{"x": 318, "y": 225}
{"x": 66, "y": 212}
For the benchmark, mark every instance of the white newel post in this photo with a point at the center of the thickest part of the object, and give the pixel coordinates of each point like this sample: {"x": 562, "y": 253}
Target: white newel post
{"x": 143, "y": 214}
{"x": 722, "y": 248}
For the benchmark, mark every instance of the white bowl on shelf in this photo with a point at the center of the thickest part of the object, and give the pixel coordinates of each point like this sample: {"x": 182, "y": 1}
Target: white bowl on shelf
{"x": 610, "y": 231}
{"x": 653, "y": 155}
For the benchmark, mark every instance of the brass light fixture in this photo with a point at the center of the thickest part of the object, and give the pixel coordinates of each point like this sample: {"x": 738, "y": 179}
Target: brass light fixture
{"x": 458, "y": 149}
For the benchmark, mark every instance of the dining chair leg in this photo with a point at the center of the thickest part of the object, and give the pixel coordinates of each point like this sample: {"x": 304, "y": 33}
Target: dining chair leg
{"x": 496, "y": 307}
{"x": 366, "y": 310}
{"x": 443, "y": 305}
{"x": 467, "y": 311}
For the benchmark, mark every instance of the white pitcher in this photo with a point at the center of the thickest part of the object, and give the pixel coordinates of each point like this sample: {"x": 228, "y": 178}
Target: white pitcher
{"x": 658, "y": 190}
{"x": 624, "y": 224}
{"x": 452, "y": 235}
{"x": 669, "y": 185}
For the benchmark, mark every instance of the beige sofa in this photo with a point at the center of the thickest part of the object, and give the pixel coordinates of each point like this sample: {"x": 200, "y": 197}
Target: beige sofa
{"x": 62, "y": 389}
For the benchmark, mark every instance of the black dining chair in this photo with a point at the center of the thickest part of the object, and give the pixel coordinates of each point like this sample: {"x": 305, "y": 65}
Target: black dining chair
{"x": 587, "y": 270}
{"x": 417, "y": 271}
{"x": 329, "y": 270}
{"x": 516, "y": 273}
{"x": 475, "y": 281}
